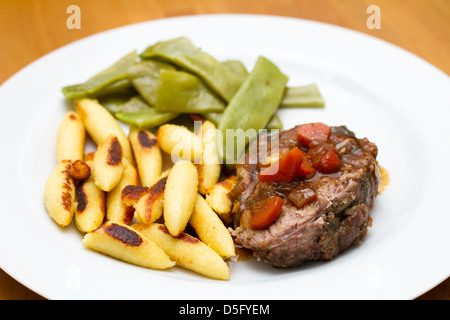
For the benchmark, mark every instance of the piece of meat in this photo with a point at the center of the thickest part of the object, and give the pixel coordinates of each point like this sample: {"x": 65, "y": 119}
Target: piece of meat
{"x": 336, "y": 218}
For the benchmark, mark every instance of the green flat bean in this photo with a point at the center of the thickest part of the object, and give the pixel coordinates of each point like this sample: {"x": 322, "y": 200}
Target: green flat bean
{"x": 181, "y": 51}
{"x": 146, "y": 119}
{"x": 183, "y": 92}
{"x": 123, "y": 104}
{"x": 237, "y": 67}
{"x": 302, "y": 96}
{"x": 274, "y": 123}
{"x": 251, "y": 107}
{"x": 120, "y": 87}
{"x": 144, "y": 76}
{"x": 138, "y": 113}
{"x": 93, "y": 85}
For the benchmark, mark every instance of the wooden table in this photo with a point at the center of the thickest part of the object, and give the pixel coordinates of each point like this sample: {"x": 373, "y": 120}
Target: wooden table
{"x": 31, "y": 28}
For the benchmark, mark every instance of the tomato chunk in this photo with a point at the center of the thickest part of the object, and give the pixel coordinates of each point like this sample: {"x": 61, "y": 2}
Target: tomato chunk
{"x": 266, "y": 211}
{"x": 324, "y": 158}
{"x": 313, "y": 132}
{"x": 285, "y": 169}
{"x": 330, "y": 162}
{"x": 306, "y": 170}
{"x": 316, "y": 154}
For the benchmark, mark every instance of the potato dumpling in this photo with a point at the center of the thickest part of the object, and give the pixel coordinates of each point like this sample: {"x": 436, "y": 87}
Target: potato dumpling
{"x": 187, "y": 251}
{"x": 180, "y": 195}
{"x": 71, "y": 138}
{"x": 59, "y": 194}
{"x": 107, "y": 166}
{"x": 147, "y": 155}
{"x": 124, "y": 243}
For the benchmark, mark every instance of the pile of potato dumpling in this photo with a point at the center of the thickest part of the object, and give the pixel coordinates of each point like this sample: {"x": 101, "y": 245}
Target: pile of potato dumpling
{"x": 128, "y": 207}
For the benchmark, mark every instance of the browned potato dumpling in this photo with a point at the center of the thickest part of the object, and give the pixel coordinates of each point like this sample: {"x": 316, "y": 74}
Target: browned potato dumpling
{"x": 124, "y": 243}
{"x": 107, "y": 166}
{"x": 219, "y": 198}
{"x": 91, "y": 206}
{"x": 101, "y": 124}
{"x": 149, "y": 206}
{"x": 116, "y": 209}
{"x": 147, "y": 155}
{"x": 59, "y": 194}
{"x": 80, "y": 171}
{"x": 187, "y": 251}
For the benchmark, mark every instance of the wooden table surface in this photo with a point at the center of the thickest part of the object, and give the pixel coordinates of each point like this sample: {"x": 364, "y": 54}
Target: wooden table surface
{"x": 31, "y": 28}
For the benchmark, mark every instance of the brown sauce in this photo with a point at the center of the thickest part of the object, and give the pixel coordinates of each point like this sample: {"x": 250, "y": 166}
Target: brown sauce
{"x": 242, "y": 253}
{"x": 351, "y": 156}
{"x": 354, "y": 153}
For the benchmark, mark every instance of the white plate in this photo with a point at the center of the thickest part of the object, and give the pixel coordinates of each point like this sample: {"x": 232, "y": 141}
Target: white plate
{"x": 378, "y": 90}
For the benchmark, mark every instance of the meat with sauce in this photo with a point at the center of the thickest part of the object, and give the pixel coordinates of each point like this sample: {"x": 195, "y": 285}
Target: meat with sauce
{"x": 310, "y": 214}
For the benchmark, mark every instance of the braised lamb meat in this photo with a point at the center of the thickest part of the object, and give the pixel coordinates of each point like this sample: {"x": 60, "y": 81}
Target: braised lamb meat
{"x": 311, "y": 200}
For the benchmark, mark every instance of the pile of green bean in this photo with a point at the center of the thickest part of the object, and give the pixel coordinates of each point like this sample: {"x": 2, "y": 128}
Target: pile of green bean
{"x": 174, "y": 78}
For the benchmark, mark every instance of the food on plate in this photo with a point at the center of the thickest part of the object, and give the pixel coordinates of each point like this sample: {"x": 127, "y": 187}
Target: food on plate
{"x": 131, "y": 194}
{"x": 183, "y": 53}
{"x": 210, "y": 229}
{"x": 91, "y": 205}
{"x": 71, "y": 138}
{"x": 59, "y": 194}
{"x": 250, "y": 108}
{"x": 176, "y": 75}
{"x": 209, "y": 169}
{"x": 384, "y": 180}
{"x": 148, "y": 203}
{"x": 311, "y": 201}
{"x": 187, "y": 251}
{"x": 116, "y": 209}
{"x": 106, "y": 193}
{"x": 146, "y": 117}
{"x": 79, "y": 171}
{"x": 147, "y": 155}
{"x": 125, "y": 243}
{"x": 100, "y": 124}
{"x": 180, "y": 194}
{"x": 89, "y": 157}
{"x": 182, "y": 92}
{"x": 109, "y": 80}
{"x": 307, "y": 198}
{"x": 144, "y": 76}
{"x": 302, "y": 96}
{"x": 179, "y": 142}
{"x": 107, "y": 166}
{"x": 220, "y": 200}
{"x": 274, "y": 122}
